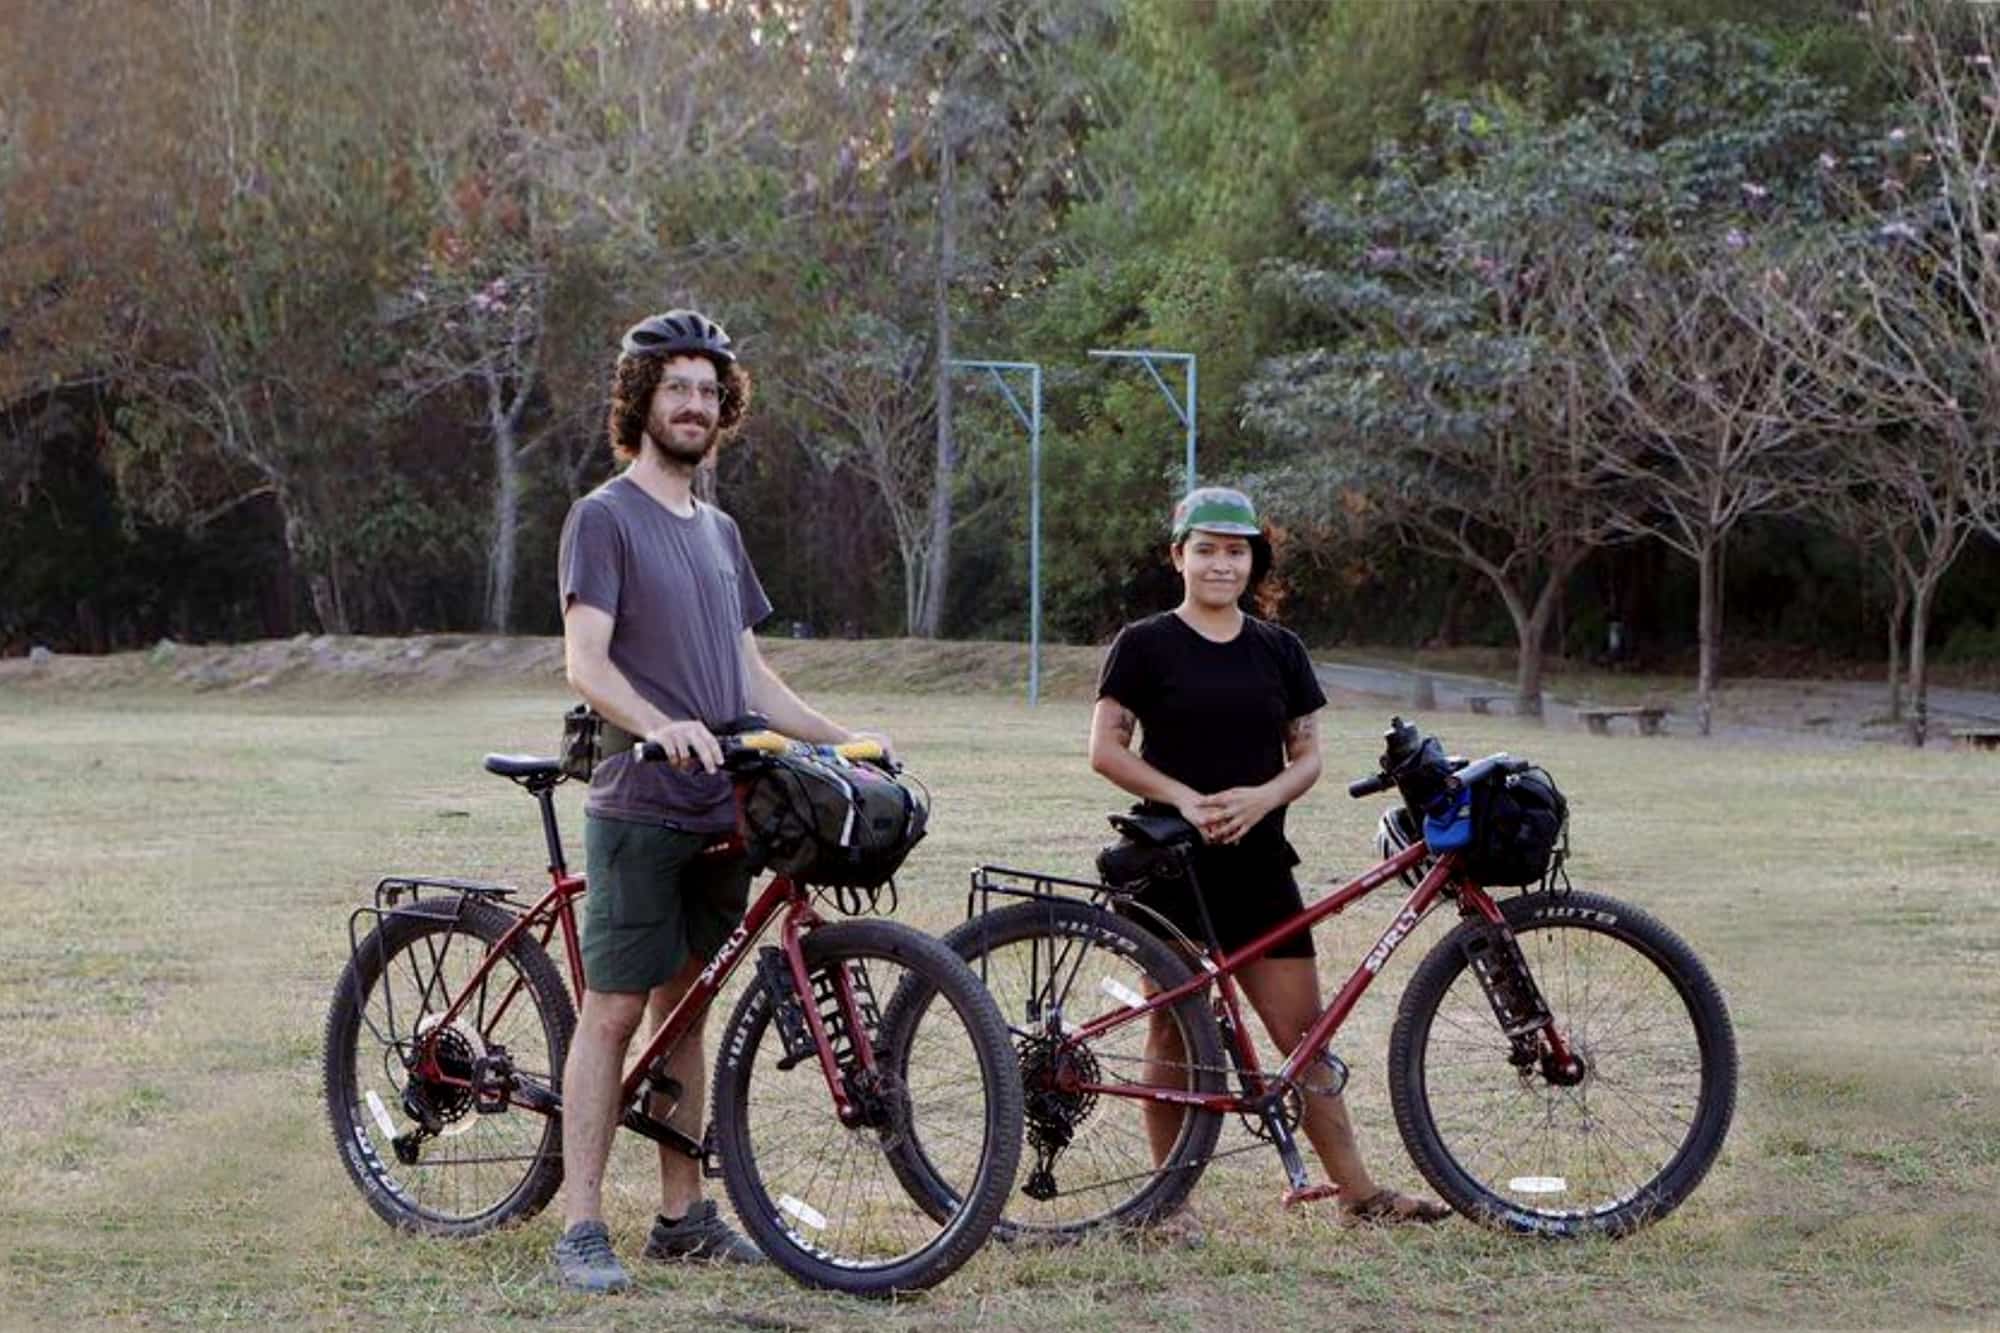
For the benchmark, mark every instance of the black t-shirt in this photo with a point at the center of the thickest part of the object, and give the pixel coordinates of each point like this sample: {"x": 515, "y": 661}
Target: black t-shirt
{"x": 1213, "y": 715}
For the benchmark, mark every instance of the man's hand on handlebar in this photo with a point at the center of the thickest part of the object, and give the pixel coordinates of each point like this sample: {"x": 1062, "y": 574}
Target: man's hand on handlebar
{"x": 688, "y": 745}
{"x": 875, "y": 738}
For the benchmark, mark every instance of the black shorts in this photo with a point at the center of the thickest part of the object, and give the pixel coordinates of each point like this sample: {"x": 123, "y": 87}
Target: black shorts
{"x": 1247, "y": 894}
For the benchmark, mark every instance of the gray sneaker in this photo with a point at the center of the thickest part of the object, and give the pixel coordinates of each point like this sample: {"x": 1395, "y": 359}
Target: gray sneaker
{"x": 703, "y": 1236}
{"x": 584, "y": 1261}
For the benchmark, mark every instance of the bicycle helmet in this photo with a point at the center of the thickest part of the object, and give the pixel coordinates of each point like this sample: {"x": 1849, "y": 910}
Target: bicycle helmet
{"x": 679, "y": 333}
{"x": 1395, "y": 832}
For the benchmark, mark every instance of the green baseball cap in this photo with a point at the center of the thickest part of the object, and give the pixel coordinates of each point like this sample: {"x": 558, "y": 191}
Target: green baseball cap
{"x": 1215, "y": 509}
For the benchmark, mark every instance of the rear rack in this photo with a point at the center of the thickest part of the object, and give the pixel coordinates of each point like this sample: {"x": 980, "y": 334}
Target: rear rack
{"x": 433, "y": 898}
{"x": 989, "y": 882}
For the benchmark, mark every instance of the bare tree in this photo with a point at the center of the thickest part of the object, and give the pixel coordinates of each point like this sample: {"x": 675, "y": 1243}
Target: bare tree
{"x": 1914, "y": 339}
{"x": 1721, "y": 418}
{"x": 871, "y": 385}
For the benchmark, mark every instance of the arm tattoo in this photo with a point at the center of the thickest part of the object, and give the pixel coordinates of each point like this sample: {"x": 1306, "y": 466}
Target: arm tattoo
{"x": 1122, "y": 726}
{"x": 1300, "y": 730}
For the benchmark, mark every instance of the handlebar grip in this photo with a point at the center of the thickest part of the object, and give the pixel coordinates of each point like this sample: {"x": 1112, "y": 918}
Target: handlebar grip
{"x": 770, "y": 742}
{"x": 1368, "y": 786}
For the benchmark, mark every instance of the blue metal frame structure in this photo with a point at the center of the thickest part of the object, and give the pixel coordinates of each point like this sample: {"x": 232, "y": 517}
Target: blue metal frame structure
{"x": 1146, "y": 356}
{"x": 1031, "y": 417}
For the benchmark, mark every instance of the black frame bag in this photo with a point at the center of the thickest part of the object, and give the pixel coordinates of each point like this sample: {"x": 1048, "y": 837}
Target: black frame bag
{"x": 829, "y": 823}
{"x": 1518, "y": 830}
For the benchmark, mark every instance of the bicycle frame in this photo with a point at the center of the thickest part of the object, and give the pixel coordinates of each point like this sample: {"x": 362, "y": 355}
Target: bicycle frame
{"x": 556, "y": 911}
{"x": 1443, "y": 876}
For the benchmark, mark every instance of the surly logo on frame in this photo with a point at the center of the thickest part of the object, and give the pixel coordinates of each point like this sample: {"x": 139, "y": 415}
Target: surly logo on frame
{"x": 724, "y": 954}
{"x": 1405, "y": 922}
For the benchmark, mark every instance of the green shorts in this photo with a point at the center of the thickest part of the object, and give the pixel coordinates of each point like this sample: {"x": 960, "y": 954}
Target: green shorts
{"x": 653, "y": 902}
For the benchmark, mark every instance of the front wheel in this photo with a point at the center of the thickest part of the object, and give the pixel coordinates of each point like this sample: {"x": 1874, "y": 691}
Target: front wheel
{"x": 825, "y": 1201}
{"x": 1604, "y": 1146}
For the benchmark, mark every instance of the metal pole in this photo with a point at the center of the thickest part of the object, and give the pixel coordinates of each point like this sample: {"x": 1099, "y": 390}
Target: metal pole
{"x": 1186, "y": 414}
{"x": 1032, "y": 419}
{"x": 1035, "y": 540}
{"x": 1190, "y": 424}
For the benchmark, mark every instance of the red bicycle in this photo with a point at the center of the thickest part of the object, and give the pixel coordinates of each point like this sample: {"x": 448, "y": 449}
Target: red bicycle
{"x": 448, "y": 1030}
{"x": 1561, "y": 1063}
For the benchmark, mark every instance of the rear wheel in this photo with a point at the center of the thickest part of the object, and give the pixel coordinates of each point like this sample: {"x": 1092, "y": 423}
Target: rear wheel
{"x": 1606, "y": 1146}
{"x": 824, "y": 1200}
{"x": 406, "y": 1123}
{"x": 1053, "y": 967}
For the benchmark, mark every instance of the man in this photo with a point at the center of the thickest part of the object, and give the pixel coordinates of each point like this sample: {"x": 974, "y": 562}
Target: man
{"x": 658, "y": 603}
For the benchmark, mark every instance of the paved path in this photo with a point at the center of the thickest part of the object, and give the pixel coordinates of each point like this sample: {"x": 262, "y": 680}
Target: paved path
{"x": 1840, "y": 711}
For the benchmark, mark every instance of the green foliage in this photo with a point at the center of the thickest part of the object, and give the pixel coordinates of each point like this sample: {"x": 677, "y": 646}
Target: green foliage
{"x": 1355, "y": 213}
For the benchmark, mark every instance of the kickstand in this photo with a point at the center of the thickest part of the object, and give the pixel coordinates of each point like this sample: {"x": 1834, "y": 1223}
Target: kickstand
{"x": 1301, "y": 1189}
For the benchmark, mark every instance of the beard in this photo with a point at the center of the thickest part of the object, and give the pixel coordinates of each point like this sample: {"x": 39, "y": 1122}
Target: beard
{"x": 660, "y": 430}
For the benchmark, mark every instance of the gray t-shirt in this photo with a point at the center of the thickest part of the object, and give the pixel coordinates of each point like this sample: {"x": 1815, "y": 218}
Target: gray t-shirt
{"x": 681, "y": 591}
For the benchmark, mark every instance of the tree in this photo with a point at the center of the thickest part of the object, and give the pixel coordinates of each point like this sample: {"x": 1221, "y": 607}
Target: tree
{"x": 1914, "y": 341}
{"x": 972, "y": 111}
{"x": 1724, "y": 419}
{"x": 870, "y": 383}
{"x": 1445, "y": 403}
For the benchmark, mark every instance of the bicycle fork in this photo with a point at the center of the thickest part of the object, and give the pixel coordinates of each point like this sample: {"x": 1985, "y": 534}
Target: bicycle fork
{"x": 1494, "y": 956}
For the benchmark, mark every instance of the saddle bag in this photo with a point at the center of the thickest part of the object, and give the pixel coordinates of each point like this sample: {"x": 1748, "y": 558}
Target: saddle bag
{"x": 1151, "y": 846}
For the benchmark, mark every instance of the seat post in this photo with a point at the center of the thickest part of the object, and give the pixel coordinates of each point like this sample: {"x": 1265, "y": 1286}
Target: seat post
{"x": 545, "y": 796}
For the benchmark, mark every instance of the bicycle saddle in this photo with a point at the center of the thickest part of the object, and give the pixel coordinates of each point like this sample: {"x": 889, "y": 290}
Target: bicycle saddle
{"x": 1155, "y": 828}
{"x": 522, "y": 766}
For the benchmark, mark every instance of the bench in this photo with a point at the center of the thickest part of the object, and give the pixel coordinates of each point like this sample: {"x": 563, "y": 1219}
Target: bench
{"x": 1483, "y": 703}
{"x": 1981, "y": 739}
{"x": 1648, "y": 720}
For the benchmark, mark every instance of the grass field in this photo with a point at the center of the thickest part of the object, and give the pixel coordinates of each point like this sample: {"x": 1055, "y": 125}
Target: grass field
{"x": 179, "y": 870}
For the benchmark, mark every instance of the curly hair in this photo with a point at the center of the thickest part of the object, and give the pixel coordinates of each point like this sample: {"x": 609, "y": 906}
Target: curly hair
{"x": 633, "y": 382}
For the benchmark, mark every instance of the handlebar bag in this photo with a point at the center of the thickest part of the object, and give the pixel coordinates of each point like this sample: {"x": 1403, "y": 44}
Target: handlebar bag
{"x": 830, "y": 823}
{"x": 1517, "y": 826}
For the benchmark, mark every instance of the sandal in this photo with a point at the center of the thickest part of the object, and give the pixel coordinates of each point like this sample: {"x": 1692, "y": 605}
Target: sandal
{"x": 1386, "y": 1207}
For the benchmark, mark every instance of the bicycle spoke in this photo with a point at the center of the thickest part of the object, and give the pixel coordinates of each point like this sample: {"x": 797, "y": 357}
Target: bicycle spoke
{"x": 471, "y": 1169}
{"x": 1534, "y": 1143}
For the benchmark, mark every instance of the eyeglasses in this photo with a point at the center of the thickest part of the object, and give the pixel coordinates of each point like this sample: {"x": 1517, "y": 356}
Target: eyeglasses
{"x": 677, "y": 387}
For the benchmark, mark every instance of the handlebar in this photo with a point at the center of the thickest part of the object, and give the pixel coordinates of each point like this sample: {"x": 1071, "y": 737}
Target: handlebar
{"x": 1464, "y": 773}
{"x": 738, "y": 749}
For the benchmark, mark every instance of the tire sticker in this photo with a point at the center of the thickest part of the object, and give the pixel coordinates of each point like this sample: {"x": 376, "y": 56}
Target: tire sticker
{"x": 381, "y": 1114}
{"x": 1122, "y": 993}
{"x": 803, "y": 1211}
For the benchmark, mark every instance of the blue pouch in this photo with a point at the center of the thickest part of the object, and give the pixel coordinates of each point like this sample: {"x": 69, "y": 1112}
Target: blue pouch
{"x": 1448, "y": 822}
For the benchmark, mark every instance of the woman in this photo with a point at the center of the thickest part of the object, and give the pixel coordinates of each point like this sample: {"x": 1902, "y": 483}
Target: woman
{"x": 1226, "y": 702}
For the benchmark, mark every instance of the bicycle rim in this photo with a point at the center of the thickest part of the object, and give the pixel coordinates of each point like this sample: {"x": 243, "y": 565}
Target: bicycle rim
{"x": 827, "y": 1201}
{"x": 1091, "y": 1159}
{"x": 1619, "y": 1148}
{"x": 474, "y": 1170}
